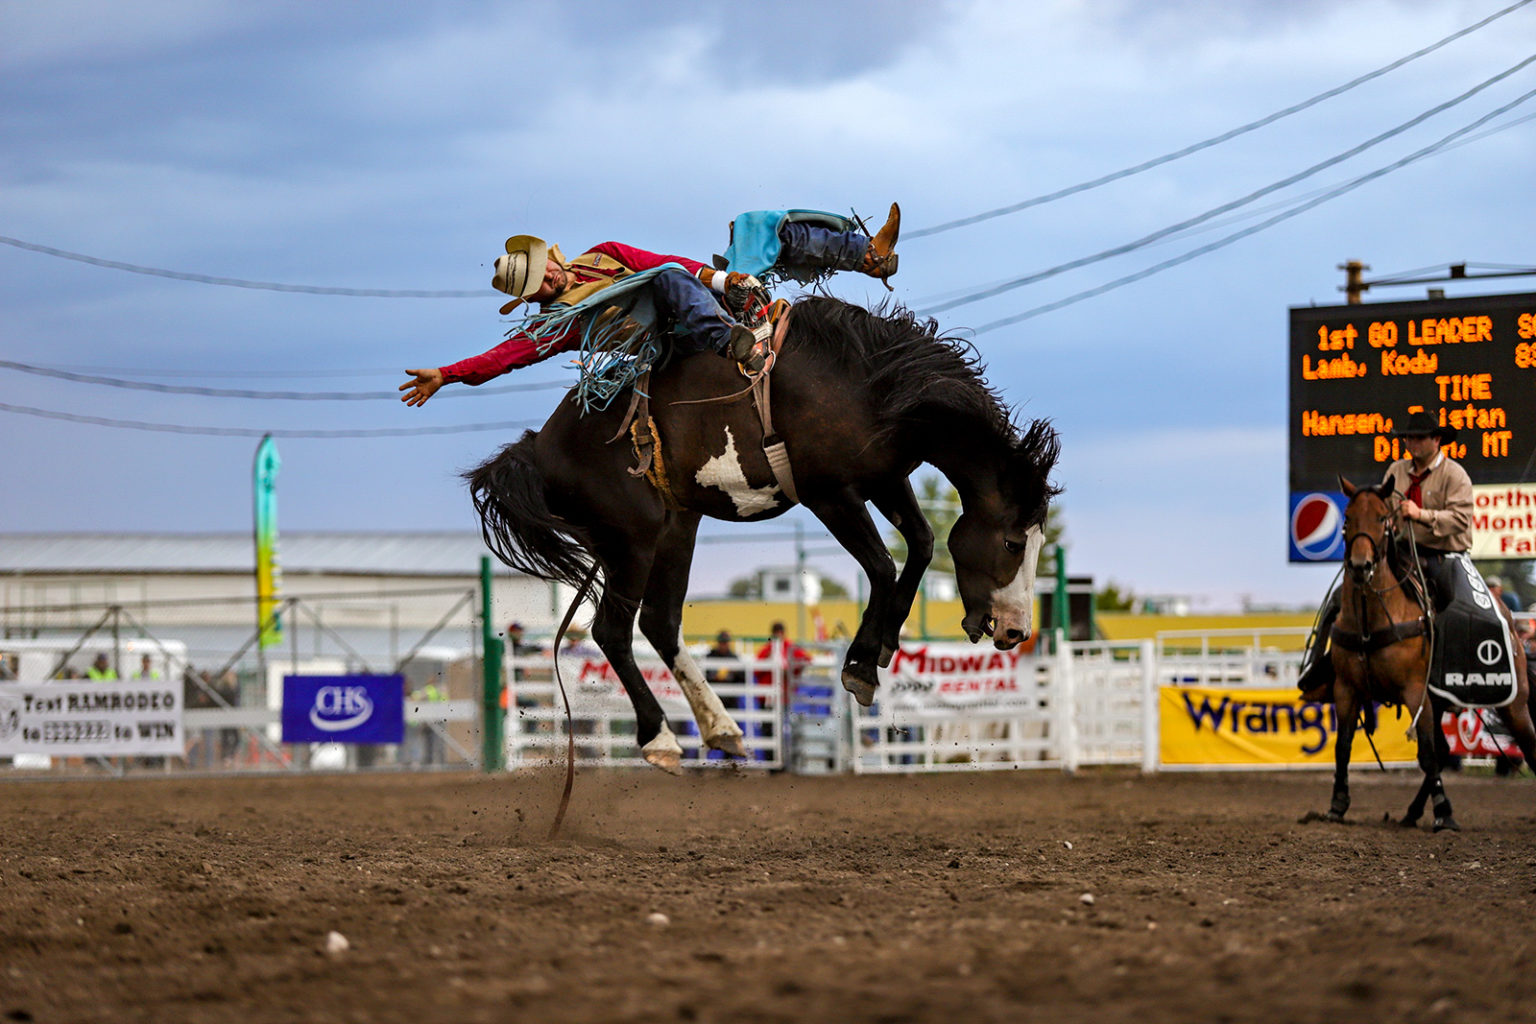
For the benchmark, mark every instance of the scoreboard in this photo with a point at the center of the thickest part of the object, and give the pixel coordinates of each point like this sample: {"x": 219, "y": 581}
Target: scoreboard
{"x": 1356, "y": 372}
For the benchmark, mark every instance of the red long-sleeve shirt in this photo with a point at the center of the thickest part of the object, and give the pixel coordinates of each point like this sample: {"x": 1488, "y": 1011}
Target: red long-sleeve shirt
{"x": 519, "y": 350}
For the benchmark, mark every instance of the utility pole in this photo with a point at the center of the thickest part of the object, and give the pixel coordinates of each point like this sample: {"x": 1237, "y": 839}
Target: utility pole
{"x": 1354, "y": 283}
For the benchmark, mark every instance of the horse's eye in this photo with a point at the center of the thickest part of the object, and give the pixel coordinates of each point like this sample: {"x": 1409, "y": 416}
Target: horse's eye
{"x": 1013, "y": 546}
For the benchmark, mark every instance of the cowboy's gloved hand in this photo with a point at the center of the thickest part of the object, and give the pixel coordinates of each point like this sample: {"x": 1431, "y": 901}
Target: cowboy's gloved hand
{"x": 721, "y": 282}
{"x": 739, "y": 287}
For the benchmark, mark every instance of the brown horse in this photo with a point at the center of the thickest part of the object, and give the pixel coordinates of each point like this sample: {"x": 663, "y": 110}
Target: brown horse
{"x": 860, "y": 399}
{"x": 1381, "y": 654}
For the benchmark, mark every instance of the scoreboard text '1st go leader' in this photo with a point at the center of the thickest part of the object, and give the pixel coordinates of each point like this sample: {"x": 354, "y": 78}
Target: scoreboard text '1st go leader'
{"x": 1356, "y": 372}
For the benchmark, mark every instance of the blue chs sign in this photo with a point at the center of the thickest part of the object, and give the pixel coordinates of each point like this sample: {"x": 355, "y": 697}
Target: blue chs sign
{"x": 1317, "y": 526}
{"x": 343, "y": 709}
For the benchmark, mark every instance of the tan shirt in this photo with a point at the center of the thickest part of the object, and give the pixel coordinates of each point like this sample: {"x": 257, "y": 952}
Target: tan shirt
{"x": 1447, "y": 503}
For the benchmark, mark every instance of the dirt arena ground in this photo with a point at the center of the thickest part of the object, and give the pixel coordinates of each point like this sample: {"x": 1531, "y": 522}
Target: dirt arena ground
{"x": 930, "y": 898}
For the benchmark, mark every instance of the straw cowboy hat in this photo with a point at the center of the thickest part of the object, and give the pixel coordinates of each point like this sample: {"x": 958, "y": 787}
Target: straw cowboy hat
{"x": 521, "y": 271}
{"x": 1422, "y": 424}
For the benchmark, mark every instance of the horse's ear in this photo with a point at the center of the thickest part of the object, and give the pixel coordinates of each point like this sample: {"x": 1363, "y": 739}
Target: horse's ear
{"x": 1348, "y": 488}
{"x": 1387, "y": 487}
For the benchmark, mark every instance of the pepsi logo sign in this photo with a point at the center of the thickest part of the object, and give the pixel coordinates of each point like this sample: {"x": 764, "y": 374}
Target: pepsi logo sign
{"x": 1317, "y": 526}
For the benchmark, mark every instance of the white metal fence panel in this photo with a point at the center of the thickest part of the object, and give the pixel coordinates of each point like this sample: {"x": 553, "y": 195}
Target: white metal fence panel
{"x": 603, "y": 720}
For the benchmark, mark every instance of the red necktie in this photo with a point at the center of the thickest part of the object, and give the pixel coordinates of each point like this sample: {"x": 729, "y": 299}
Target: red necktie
{"x": 1414, "y": 494}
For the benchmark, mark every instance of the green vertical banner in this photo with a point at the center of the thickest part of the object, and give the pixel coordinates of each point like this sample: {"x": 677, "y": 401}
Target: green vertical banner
{"x": 269, "y": 575}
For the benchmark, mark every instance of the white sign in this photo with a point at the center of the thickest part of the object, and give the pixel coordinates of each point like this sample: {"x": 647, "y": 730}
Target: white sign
{"x": 138, "y": 718}
{"x": 1504, "y": 521}
{"x": 956, "y": 675}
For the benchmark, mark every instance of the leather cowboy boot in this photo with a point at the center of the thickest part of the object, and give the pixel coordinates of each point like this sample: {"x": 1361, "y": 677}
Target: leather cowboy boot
{"x": 880, "y": 258}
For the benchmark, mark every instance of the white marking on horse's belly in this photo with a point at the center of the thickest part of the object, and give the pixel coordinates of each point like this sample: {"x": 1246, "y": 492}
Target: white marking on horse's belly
{"x": 725, "y": 472}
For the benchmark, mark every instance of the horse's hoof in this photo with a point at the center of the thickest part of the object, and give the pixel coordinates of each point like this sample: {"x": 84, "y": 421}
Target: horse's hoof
{"x": 1446, "y": 823}
{"x": 854, "y": 682}
{"x": 886, "y": 654}
{"x": 664, "y": 752}
{"x": 1334, "y": 816}
{"x": 730, "y": 744}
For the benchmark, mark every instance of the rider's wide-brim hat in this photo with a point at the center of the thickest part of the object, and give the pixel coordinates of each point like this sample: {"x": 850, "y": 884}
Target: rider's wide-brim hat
{"x": 520, "y": 271}
{"x": 1423, "y": 424}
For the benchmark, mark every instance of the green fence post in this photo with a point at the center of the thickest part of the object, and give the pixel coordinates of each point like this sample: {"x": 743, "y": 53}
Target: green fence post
{"x": 1059, "y": 610}
{"x": 492, "y": 732}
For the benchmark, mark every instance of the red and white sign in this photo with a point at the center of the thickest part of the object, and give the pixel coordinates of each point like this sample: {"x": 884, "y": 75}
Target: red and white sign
{"x": 1469, "y": 737}
{"x": 954, "y": 675}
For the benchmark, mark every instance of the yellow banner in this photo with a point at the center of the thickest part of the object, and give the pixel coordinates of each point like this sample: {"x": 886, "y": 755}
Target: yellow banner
{"x": 1212, "y": 726}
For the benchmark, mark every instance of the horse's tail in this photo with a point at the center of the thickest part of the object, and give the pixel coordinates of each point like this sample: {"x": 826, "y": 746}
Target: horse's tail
{"x": 515, "y": 520}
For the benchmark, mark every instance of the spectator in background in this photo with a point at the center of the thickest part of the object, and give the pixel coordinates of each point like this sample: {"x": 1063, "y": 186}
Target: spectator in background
{"x": 101, "y": 669}
{"x": 724, "y": 649}
{"x": 788, "y": 657}
{"x": 787, "y": 660}
{"x": 429, "y": 737}
{"x": 1525, "y": 629}
{"x": 146, "y": 670}
{"x": 1509, "y": 597}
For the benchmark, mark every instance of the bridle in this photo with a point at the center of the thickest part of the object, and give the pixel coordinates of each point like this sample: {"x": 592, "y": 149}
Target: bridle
{"x": 1363, "y": 574}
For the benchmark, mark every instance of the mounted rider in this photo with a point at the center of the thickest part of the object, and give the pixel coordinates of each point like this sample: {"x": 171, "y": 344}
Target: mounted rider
{"x": 1437, "y": 506}
{"x": 704, "y": 306}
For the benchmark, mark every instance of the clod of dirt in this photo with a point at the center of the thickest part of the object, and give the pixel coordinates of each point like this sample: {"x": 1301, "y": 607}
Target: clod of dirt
{"x": 336, "y": 944}
{"x": 1086, "y": 899}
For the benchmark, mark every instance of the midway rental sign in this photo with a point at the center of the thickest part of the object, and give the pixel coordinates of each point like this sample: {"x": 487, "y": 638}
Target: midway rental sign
{"x": 1357, "y": 371}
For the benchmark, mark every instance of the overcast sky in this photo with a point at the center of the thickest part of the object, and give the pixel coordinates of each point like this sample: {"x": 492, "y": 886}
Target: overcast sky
{"x": 396, "y": 146}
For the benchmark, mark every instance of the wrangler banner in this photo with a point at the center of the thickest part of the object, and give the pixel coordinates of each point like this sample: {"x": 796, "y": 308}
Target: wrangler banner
{"x": 1212, "y": 726}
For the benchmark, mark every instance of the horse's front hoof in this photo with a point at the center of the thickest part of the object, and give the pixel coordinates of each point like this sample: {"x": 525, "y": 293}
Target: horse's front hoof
{"x": 886, "y": 654}
{"x": 861, "y": 681}
{"x": 1334, "y": 816}
{"x": 664, "y": 752}
{"x": 1407, "y": 822}
{"x": 1446, "y": 824}
{"x": 730, "y": 744}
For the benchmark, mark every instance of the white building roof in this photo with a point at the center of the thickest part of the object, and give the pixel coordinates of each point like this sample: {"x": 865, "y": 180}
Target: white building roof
{"x": 403, "y": 553}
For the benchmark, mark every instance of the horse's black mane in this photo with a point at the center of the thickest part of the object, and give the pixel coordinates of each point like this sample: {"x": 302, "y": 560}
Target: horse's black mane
{"x": 909, "y": 366}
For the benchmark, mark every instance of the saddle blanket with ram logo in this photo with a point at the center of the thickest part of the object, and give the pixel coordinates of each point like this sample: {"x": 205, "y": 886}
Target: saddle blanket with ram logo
{"x": 1474, "y": 659}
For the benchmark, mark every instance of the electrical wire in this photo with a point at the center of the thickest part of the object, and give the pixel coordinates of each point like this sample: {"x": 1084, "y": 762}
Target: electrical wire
{"x": 236, "y": 282}
{"x": 173, "y": 428}
{"x": 313, "y": 396}
{"x": 1145, "y": 240}
{"x": 1127, "y": 172}
{"x": 1299, "y": 208}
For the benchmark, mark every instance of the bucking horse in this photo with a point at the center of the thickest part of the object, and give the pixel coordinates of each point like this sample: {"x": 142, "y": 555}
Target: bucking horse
{"x": 859, "y": 400}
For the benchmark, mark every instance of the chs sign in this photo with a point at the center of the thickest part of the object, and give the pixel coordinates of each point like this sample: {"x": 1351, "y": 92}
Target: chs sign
{"x": 343, "y": 709}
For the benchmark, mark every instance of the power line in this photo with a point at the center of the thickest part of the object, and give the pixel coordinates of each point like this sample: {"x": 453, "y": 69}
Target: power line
{"x": 1207, "y": 143}
{"x": 1145, "y": 240}
{"x": 313, "y": 396}
{"x": 1299, "y": 208}
{"x": 236, "y": 282}
{"x": 173, "y": 428}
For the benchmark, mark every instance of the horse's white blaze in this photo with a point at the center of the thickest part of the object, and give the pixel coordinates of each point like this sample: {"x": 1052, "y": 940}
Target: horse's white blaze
{"x": 708, "y": 711}
{"x": 726, "y": 472}
{"x": 1013, "y": 605}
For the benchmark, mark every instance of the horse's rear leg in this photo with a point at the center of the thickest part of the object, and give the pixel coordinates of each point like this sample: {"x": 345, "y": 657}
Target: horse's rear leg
{"x": 661, "y": 620}
{"x": 1432, "y": 789}
{"x": 899, "y": 505}
{"x": 1345, "y": 710}
{"x": 626, "y": 565}
{"x": 845, "y": 516}
{"x": 1518, "y": 719}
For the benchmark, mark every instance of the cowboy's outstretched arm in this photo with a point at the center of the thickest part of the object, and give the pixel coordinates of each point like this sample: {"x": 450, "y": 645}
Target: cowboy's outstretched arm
{"x": 517, "y": 351}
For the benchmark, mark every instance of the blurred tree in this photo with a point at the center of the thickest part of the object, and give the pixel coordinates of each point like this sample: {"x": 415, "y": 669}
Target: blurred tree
{"x": 1113, "y": 599}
